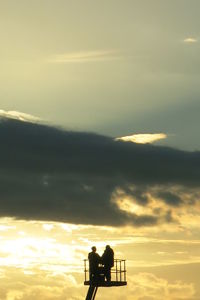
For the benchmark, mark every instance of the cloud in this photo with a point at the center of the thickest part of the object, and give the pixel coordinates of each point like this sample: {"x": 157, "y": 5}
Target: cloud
{"x": 83, "y": 56}
{"x": 42, "y": 284}
{"x": 18, "y": 116}
{"x": 148, "y": 286}
{"x": 190, "y": 40}
{"x": 52, "y": 174}
{"x": 143, "y": 138}
{"x": 39, "y": 284}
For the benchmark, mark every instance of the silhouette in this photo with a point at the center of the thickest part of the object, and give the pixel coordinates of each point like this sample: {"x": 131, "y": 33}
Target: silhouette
{"x": 119, "y": 271}
{"x": 108, "y": 262}
{"x": 94, "y": 261}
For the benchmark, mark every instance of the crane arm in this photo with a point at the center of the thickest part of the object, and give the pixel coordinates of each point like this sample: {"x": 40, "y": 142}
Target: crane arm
{"x": 92, "y": 290}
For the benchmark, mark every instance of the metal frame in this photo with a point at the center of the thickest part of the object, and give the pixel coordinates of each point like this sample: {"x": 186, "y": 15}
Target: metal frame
{"x": 118, "y": 278}
{"x": 118, "y": 273}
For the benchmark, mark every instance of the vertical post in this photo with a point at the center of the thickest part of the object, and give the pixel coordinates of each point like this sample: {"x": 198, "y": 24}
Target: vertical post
{"x": 120, "y": 270}
{"x": 85, "y": 268}
{"x": 116, "y": 270}
{"x": 124, "y": 270}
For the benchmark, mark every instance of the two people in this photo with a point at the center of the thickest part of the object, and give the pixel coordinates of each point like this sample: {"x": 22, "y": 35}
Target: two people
{"x": 107, "y": 260}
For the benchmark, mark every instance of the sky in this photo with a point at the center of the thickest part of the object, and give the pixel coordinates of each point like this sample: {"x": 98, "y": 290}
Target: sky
{"x": 99, "y": 118}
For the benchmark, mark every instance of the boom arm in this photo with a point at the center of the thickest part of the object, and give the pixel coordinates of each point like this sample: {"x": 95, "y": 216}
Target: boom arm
{"x": 91, "y": 292}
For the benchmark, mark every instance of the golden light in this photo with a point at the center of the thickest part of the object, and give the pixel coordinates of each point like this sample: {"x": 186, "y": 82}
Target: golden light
{"x": 143, "y": 138}
{"x": 46, "y": 258}
{"x": 190, "y": 40}
{"x": 129, "y": 206}
{"x": 19, "y": 116}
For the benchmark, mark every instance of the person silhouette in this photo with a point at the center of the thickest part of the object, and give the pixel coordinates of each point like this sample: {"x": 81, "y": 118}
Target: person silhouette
{"x": 94, "y": 261}
{"x": 108, "y": 262}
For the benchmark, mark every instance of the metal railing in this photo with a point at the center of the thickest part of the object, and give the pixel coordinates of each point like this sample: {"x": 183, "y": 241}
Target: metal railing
{"x": 118, "y": 271}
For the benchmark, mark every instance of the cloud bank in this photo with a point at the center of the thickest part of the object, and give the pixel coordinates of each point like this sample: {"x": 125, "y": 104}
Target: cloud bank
{"x": 42, "y": 284}
{"x": 51, "y": 174}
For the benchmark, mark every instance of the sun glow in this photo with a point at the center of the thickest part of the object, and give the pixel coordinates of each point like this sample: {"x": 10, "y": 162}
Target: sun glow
{"x": 53, "y": 246}
{"x": 46, "y": 258}
{"x": 29, "y": 244}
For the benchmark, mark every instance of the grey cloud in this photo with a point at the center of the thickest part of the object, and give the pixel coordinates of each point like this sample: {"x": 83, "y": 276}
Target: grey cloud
{"x": 48, "y": 173}
{"x": 170, "y": 198}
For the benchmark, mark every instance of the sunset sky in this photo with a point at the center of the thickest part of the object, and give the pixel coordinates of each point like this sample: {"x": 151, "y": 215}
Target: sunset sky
{"x": 99, "y": 132}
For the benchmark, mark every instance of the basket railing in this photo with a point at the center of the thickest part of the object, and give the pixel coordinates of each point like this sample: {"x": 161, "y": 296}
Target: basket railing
{"x": 118, "y": 271}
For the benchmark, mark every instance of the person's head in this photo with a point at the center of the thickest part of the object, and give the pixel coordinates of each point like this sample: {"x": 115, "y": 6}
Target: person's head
{"x": 94, "y": 249}
{"x": 107, "y": 247}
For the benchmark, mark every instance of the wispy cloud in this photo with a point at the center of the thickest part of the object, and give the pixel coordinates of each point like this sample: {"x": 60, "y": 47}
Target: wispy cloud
{"x": 18, "y": 116}
{"x": 84, "y": 56}
{"x": 143, "y": 138}
{"x": 190, "y": 40}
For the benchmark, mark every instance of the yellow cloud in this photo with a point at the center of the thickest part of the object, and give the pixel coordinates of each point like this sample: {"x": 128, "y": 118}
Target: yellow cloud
{"x": 190, "y": 40}
{"x": 48, "y": 264}
{"x": 42, "y": 285}
{"x": 19, "y": 116}
{"x": 83, "y": 56}
{"x": 143, "y": 138}
{"x": 153, "y": 287}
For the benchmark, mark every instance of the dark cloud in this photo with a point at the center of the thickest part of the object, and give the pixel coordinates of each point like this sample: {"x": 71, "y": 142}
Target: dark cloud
{"x": 170, "y": 198}
{"x": 48, "y": 173}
